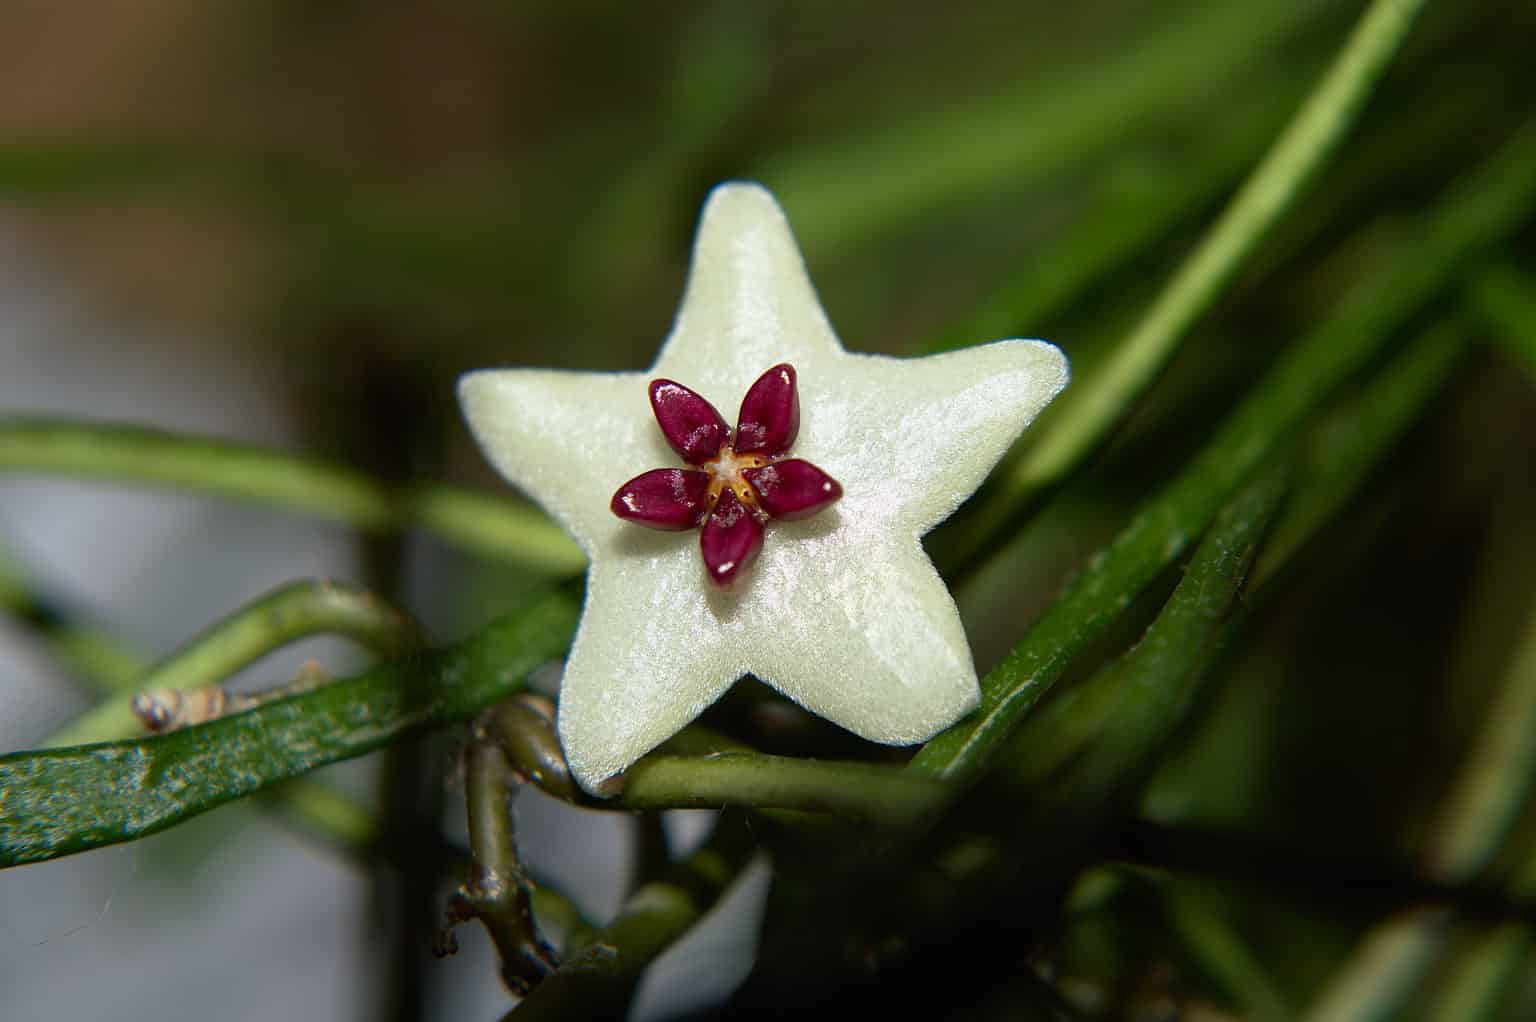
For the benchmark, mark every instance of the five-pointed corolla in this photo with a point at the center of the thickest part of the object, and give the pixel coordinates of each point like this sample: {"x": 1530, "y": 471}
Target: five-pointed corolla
{"x": 739, "y": 480}
{"x": 842, "y": 611}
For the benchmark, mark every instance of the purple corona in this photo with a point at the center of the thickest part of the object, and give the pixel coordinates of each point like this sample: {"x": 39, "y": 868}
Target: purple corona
{"x": 738, "y": 480}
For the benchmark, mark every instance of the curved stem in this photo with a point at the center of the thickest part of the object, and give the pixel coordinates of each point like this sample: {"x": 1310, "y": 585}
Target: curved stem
{"x": 285, "y": 615}
{"x": 861, "y": 792}
{"x": 497, "y": 892}
{"x": 1093, "y": 406}
{"x": 477, "y": 522}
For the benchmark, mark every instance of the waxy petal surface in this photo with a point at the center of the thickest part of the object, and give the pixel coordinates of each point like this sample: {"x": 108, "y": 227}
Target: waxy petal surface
{"x": 730, "y": 539}
{"x": 843, "y": 612}
{"x": 670, "y": 499}
{"x": 769, "y": 419}
{"x": 691, "y": 424}
{"x": 792, "y": 489}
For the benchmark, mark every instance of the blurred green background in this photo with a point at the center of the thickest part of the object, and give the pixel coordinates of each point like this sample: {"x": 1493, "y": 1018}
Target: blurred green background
{"x": 371, "y": 198}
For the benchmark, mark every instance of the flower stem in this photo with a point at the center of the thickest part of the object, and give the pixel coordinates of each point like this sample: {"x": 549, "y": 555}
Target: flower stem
{"x": 855, "y": 792}
{"x": 1092, "y": 407}
{"x": 497, "y": 893}
{"x": 477, "y": 522}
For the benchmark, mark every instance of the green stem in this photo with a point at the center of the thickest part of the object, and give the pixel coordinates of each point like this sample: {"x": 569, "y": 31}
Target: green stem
{"x": 497, "y": 893}
{"x": 1489, "y": 206}
{"x": 479, "y": 523}
{"x": 60, "y": 801}
{"x": 1092, "y": 407}
{"x": 292, "y": 612}
{"x": 526, "y": 735}
{"x": 598, "y": 981}
{"x": 858, "y": 792}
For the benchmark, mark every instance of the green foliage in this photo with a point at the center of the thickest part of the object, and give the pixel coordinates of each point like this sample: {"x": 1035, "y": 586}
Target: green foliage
{"x": 1250, "y": 399}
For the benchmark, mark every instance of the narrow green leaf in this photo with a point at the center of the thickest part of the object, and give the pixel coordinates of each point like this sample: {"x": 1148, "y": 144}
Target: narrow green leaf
{"x": 492, "y": 526}
{"x": 1087, "y": 750}
{"x": 58, "y": 802}
{"x": 1490, "y": 206}
{"x": 1091, "y": 409}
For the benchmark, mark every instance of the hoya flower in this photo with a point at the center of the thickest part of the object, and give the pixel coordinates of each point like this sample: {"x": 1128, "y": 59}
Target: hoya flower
{"x": 807, "y": 570}
{"x": 741, "y": 479}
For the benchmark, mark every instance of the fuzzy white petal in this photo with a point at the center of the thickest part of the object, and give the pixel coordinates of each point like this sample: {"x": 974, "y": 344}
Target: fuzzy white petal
{"x": 843, "y": 612}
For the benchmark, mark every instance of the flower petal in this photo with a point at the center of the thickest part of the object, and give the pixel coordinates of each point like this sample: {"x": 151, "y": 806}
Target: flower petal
{"x": 730, "y": 540}
{"x": 770, "y": 413}
{"x": 690, "y": 423}
{"x": 792, "y": 488}
{"x": 670, "y": 499}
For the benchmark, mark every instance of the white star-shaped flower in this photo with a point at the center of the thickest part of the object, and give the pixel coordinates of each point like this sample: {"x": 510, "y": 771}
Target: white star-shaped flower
{"x": 842, "y": 611}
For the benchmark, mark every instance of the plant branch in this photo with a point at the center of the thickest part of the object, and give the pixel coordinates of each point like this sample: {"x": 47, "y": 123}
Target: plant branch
{"x": 497, "y": 892}
{"x": 482, "y": 524}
